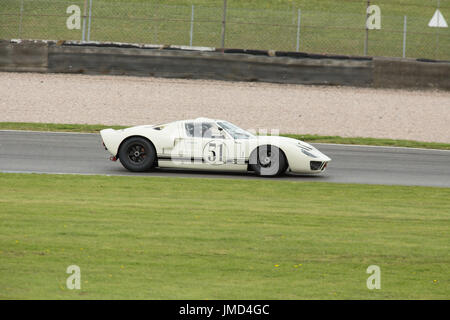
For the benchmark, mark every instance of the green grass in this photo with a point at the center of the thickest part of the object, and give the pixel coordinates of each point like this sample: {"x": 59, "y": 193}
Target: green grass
{"x": 172, "y": 238}
{"x": 89, "y": 128}
{"x": 369, "y": 141}
{"x": 305, "y": 137}
{"x": 327, "y": 26}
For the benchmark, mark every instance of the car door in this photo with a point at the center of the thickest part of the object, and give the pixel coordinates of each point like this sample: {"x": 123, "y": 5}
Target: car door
{"x": 219, "y": 150}
{"x": 187, "y": 148}
{"x": 204, "y": 145}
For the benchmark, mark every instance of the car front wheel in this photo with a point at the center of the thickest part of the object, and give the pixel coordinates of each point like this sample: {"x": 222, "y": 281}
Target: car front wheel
{"x": 268, "y": 161}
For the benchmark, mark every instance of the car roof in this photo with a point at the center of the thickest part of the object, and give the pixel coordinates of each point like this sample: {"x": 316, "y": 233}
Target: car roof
{"x": 202, "y": 119}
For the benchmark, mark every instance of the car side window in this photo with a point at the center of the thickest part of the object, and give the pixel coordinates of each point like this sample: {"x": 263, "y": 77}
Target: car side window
{"x": 189, "y": 126}
{"x": 207, "y": 130}
{"x": 199, "y": 130}
{"x": 195, "y": 130}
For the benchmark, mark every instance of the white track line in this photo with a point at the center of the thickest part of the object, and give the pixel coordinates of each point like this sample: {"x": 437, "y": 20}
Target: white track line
{"x": 370, "y": 146}
{"x": 137, "y": 175}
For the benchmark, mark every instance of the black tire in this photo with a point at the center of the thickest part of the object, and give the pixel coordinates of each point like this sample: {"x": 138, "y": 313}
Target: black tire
{"x": 137, "y": 154}
{"x": 268, "y": 161}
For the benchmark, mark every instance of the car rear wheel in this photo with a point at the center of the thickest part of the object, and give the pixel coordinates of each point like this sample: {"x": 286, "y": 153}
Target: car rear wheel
{"x": 268, "y": 161}
{"x": 137, "y": 154}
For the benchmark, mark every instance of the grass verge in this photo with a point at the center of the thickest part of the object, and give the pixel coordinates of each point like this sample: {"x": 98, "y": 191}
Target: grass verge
{"x": 305, "y": 137}
{"x": 56, "y": 127}
{"x": 161, "y": 238}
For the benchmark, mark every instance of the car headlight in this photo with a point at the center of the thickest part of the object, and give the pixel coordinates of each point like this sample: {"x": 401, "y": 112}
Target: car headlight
{"x": 308, "y": 153}
{"x": 306, "y": 150}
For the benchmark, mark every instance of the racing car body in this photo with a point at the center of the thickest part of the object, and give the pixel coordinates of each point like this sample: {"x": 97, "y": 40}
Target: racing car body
{"x": 212, "y": 145}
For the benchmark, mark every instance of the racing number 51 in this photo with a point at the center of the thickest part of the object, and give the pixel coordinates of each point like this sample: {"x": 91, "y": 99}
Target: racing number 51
{"x": 215, "y": 153}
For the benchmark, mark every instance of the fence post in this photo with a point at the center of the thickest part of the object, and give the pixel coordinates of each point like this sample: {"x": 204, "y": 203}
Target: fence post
{"x": 224, "y": 20}
{"x": 83, "y": 37}
{"x": 191, "y": 35}
{"x": 299, "y": 14}
{"x": 89, "y": 22}
{"x": 20, "y": 21}
{"x": 155, "y": 21}
{"x": 404, "y": 37}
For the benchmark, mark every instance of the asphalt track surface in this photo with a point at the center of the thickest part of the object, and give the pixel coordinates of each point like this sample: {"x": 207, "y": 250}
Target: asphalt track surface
{"x": 73, "y": 153}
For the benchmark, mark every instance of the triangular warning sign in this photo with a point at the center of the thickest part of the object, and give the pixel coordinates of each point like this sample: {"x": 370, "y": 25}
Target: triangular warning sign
{"x": 438, "y": 20}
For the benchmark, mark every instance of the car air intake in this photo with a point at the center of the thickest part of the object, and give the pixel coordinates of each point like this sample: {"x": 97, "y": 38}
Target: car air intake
{"x": 315, "y": 165}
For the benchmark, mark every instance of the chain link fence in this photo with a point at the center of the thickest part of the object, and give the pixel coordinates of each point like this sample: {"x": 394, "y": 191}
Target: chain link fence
{"x": 291, "y": 30}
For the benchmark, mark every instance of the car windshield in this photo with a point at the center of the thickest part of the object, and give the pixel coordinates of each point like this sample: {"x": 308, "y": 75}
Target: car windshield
{"x": 234, "y": 131}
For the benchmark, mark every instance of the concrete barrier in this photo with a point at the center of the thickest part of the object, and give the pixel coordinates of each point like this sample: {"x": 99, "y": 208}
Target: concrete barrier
{"x": 228, "y": 64}
{"x": 207, "y": 65}
{"x": 30, "y": 56}
{"x": 408, "y": 73}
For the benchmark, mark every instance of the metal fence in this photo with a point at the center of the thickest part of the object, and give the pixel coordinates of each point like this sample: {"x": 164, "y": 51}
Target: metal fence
{"x": 291, "y": 30}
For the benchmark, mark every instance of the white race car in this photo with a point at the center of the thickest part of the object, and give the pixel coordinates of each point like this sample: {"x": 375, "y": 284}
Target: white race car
{"x": 210, "y": 144}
